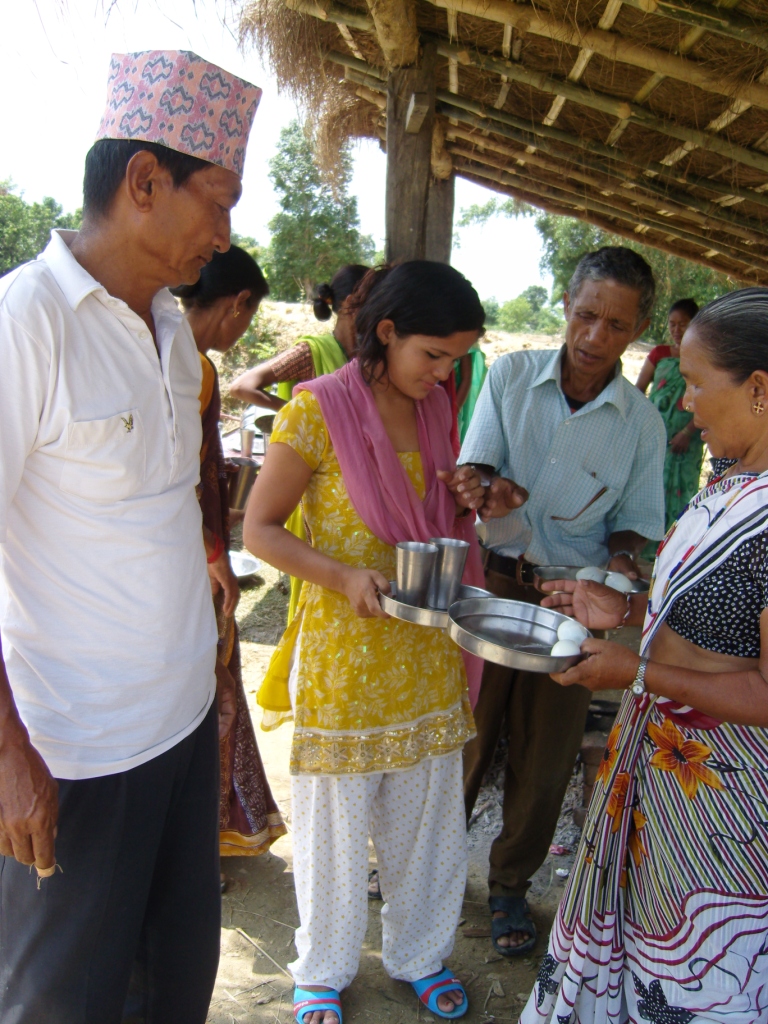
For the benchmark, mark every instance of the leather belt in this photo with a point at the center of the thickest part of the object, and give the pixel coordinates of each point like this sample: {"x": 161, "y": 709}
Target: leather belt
{"x": 516, "y": 568}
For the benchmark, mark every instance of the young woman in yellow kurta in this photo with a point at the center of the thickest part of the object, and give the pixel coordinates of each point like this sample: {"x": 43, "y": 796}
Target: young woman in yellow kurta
{"x": 380, "y": 705}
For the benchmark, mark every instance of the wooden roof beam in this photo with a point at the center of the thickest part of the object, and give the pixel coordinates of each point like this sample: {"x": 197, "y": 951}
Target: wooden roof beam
{"x": 716, "y": 20}
{"x": 396, "y": 31}
{"x": 372, "y": 77}
{"x": 608, "y": 44}
{"x": 604, "y": 209}
{"x": 750, "y": 276}
{"x": 620, "y": 208}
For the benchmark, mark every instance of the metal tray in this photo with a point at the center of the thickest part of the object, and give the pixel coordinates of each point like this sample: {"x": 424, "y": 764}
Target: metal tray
{"x": 243, "y": 564}
{"x": 434, "y": 617}
{"x": 511, "y": 633}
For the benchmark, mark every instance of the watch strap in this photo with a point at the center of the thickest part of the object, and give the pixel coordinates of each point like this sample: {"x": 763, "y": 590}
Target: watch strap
{"x": 638, "y": 685}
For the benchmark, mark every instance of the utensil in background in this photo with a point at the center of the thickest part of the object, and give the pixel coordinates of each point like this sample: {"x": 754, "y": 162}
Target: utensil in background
{"x": 448, "y": 570}
{"x": 244, "y": 565}
{"x": 241, "y": 482}
{"x": 246, "y": 442}
{"x": 265, "y": 424}
{"x": 415, "y": 563}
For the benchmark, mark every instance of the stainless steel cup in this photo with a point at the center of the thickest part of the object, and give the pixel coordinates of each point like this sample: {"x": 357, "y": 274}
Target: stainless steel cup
{"x": 449, "y": 568}
{"x": 241, "y": 482}
{"x": 246, "y": 442}
{"x": 415, "y": 562}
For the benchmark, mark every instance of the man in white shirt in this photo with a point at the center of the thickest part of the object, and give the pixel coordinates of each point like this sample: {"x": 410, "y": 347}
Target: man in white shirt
{"x": 108, "y": 724}
{"x": 577, "y": 457}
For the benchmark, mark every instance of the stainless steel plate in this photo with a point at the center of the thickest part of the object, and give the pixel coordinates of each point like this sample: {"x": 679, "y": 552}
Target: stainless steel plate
{"x": 243, "y": 564}
{"x": 433, "y": 617}
{"x": 640, "y": 586}
{"x": 511, "y": 633}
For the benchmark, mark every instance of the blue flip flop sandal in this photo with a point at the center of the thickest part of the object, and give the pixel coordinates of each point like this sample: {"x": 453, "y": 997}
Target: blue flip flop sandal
{"x": 305, "y": 1002}
{"x": 428, "y": 989}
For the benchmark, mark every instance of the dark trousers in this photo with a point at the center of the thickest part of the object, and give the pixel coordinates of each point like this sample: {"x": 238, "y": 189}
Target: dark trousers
{"x": 129, "y": 929}
{"x": 544, "y": 724}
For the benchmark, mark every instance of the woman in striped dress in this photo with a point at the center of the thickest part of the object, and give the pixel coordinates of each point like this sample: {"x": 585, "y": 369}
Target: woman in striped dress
{"x": 665, "y": 918}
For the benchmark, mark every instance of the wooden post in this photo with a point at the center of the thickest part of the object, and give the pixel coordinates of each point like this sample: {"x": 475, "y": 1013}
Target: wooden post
{"x": 408, "y": 157}
{"x": 440, "y": 219}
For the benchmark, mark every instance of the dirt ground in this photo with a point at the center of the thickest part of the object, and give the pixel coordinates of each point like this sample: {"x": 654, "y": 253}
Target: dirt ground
{"x": 259, "y": 908}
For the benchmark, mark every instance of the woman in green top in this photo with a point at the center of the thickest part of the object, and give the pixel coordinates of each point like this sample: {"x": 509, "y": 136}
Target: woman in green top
{"x": 313, "y": 355}
{"x": 682, "y": 465}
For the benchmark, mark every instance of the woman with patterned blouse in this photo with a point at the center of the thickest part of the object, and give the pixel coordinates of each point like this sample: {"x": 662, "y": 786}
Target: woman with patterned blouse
{"x": 381, "y": 706}
{"x": 665, "y": 918}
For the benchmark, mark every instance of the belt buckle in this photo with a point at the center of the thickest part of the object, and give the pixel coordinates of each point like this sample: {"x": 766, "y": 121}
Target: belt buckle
{"x": 524, "y": 572}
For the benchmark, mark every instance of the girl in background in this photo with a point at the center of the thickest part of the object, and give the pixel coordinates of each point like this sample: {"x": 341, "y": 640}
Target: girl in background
{"x": 381, "y": 706}
{"x": 220, "y": 307}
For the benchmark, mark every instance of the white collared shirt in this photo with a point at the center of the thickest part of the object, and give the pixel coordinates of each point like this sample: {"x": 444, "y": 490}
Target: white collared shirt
{"x": 589, "y": 474}
{"x": 108, "y": 629}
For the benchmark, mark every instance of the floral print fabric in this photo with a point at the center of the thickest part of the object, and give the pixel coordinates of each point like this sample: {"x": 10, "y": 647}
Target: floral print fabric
{"x": 372, "y": 694}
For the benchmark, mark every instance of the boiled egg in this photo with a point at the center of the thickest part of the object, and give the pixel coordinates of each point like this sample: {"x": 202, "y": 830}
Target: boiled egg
{"x": 565, "y": 649}
{"x": 619, "y": 581}
{"x": 571, "y": 630}
{"x": 592, "y": 573}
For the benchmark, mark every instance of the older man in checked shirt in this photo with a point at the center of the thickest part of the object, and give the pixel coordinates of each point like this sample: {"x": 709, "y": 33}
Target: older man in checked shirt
{"x": 576, "y": 455}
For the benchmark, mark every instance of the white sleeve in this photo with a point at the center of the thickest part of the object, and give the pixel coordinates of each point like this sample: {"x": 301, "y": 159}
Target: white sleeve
{"x": 24, "y": 373}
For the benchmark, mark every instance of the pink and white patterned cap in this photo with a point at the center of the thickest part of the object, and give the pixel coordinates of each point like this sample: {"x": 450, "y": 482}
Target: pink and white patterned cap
{"x": 176, "y": 99}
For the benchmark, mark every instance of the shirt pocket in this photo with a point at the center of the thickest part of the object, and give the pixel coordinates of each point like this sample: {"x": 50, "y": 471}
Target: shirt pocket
{"x": 582, "y": 504}
{"x": 105, "y": 459}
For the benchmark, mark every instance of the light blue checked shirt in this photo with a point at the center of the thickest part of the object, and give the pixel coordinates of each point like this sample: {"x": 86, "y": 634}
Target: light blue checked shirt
{"x": 589, "y": 474}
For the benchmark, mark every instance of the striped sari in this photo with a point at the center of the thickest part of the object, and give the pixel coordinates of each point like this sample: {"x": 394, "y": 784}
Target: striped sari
{"x": 665, "y": 917}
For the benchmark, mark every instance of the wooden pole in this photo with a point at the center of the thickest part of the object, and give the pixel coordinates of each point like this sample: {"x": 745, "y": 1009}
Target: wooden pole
{"x": 409, "y": 158}
{"x": 440, "y": 203}
{"x": 720, "y": 22}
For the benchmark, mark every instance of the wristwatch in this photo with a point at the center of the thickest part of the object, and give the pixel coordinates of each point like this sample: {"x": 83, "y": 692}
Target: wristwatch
{"x": 638, "y": 686}
{"x": 630, "y": 554}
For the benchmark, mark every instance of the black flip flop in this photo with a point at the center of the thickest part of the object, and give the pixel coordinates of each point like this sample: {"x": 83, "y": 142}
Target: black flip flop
{"x": 374, "y": 889}
{"x": 518, "y": 919}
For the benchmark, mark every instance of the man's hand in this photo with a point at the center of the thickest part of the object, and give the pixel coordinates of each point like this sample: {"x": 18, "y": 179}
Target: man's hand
{"x": 624, "y": 564}
{"x": 226, "y": 698}
{"x": 465, "y": 485}
{"x": 222, "y": 577}
{"x": 29, "y": 805}
{"x": 592, "y": 604}
{"x": 501, "y": 498}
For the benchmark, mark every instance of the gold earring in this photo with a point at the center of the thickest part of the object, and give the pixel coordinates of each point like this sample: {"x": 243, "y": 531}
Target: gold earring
{"x": 688, "y": 408}
{"x": 758, "y": 408}
{"x": 235, "y": 313}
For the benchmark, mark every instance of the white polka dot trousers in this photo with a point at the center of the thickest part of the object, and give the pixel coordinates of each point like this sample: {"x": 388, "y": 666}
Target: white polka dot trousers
{"x": 416, "y": 820}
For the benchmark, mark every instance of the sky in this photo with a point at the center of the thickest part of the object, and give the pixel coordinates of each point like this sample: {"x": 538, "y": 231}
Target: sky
{"x": 57, "y": 52}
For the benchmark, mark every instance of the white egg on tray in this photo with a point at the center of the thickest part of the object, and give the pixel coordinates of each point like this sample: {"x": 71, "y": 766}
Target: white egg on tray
{"x": 572, "y": 630}
{"x": 618, "y": 581}
{"x": 565, "y": 649}
{"x": 592, "y": 573}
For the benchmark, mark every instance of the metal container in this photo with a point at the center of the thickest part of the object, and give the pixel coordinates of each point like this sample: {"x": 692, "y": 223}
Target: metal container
{"x": 547, "y": 573}
{"x": 511, "y": 633}
{"x": 246, "y": 442}
{"x": 415, "y": 562}
{"x": 265, "y": 424}
{"x": 243, "y": 564}
{"x": 449, "y": 568}
{"x": 241, "y": 482}
{"x": 424, "y": 616}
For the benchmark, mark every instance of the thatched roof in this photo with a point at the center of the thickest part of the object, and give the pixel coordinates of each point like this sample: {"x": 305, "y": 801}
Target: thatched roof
{"x": 648, "y": 118}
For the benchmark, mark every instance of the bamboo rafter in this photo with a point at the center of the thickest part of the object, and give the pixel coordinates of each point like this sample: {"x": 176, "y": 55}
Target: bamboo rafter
{"x": 718, "y": 20}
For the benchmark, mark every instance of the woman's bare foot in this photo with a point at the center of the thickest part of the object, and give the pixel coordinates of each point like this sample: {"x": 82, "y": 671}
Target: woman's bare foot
{"x": 320, "y": 1016}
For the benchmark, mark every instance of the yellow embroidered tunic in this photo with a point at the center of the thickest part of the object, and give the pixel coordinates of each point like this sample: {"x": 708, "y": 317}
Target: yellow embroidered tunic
{"x": 371, "y": 694}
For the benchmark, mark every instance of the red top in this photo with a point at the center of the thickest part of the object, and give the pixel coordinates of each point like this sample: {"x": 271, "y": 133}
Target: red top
{"x": 658, "y": 353}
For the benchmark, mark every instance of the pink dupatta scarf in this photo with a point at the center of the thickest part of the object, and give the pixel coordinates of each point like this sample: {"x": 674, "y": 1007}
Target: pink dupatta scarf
{"x": 378, "y": 486}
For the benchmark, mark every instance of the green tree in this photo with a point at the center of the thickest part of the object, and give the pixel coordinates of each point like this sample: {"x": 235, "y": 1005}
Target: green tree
{"x": 317, "y": 229}
{"x": 25, "y": 228}
{"x": 537, "y": 297}
{"x": 515, "y": 315}
{"x": 492, "y": 310}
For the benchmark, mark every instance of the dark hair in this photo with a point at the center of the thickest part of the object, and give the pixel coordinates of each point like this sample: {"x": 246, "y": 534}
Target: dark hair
{"x": 617, "y": 263}
{"x": 419, "y": 297}
{"x": 734, "y": 329}
{"x": 688, "y": 306}
{"x": 228, "y": 273}
{"x": 107, "y": 161}
{"x": 329, "y": 297}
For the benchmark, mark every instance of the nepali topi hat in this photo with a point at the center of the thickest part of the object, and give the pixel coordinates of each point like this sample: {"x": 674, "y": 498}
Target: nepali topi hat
{"x": 175, "y": 98}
